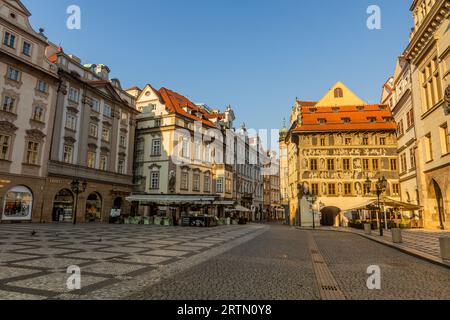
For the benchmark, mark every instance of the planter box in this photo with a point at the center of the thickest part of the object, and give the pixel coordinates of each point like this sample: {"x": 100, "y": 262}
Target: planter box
{"x": 397, "y": 235}
{"x": 157, "y": 221}
{"x": 445, "y": 248}
{"x": 368, "y": 229}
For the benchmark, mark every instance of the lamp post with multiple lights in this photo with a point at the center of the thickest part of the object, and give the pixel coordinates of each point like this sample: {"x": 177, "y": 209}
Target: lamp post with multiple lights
{"x": 78, "y": 188}
{"x": 381, "y": 186}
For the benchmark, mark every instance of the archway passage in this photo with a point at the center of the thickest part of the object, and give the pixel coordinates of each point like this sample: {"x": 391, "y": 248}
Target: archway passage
{"x": 440, "y": 204}
{"x": 63, "y": 206}
{"x": 93, "y": 207}
{"x": 329, "y": 216}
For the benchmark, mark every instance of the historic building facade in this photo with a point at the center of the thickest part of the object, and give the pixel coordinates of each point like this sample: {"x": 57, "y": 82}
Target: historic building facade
{"x": 284, "y": 173}
{"x": 272, "y": 195}
{"x": 92, "y": 142}
{"x": 397, "y": 93}
{"x": 181, "y": 166}
{"x": 428, "y": 54}
{"x": 333, "y": 146}
{"x": 28, "y": 85}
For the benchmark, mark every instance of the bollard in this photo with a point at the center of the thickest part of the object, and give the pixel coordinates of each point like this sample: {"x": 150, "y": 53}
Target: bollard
{"x": 368, "y": 229}
{"x": 397, "y": 235}
{"x": 445, "y": 247}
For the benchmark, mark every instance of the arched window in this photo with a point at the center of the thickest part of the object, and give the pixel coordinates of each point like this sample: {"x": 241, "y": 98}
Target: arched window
{"x": 18, "y": 204}
{"x": 338, "y": 93}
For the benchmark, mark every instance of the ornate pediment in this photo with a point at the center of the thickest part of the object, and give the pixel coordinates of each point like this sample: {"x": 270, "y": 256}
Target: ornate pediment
{"x": 92, "y": 146}
{"x": 122, "y": 154}
{"x": 35, "y": 134}
{"x": 70, "y": 140}
{"x": 7, "y": 127}
{"x": 105, "y": 150}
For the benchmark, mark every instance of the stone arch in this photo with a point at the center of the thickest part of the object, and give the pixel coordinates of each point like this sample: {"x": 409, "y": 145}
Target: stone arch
{"x": 330, "y": 216}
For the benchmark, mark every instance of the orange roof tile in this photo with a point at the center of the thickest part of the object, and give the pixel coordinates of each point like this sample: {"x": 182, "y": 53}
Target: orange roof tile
{"x": 368, "y": 117}
{"x": 175, "y": 102}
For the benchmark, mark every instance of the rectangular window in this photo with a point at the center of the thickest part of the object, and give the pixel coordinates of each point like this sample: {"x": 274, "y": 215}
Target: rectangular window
{"x": 121, "y": 167}
{"x": 91, "y": 157}
{"x": 42, "y": 86}
{"x": 366, "y": 164}
{"x": 207, "y": 185}
{"x": 154, "y": 180}
{"x": 323, "y": 142}
{"x": 93, "y": 130}
{"x": 38, "y": 114}
{"x": 71, "y": 122}
{"x": 74, "y": 95}
{"x": 315, "y": 188}
{"x": 68, "y": 154}
{"x": 123, "y": 141}
{"x": 184, "y": 185}
{"x": 157, "y": 123}
{"x": 346, "y": 164}
{"x": 219, "y": 185}
{"x": 9, "y": 40}
{"x": 365, "y": 141}
{"x": 400, "y": 128}
{"x": 395, "y": 189}
{"x": 13, "y": 74}
{"x": 375, "y": 164}
{"x": 314, "y": 164}
{"x": 410, "y": 118}
{"x": 95, "y": 105}
{"x": 106, "y": 134}
{"x": 332, "y": 189}
{"x": 26, "y": 50}
{"x": 9, "y": 104}
{"x": 330, "y": 164}
{"x": 156, "y": 147}
{"x": 393, "y": 163}
{"x": 445, "y": 139}
{"x": 383, "y": 141}
{"x": 347, "y": 189}
{"x": 431, "y": 85}
{"x": 107, "y": 111}
{"x": 4, "y": 147}
{"x": 104, "y": 162}
{"x": 32, "y": 152}
{"x": 196, "y": 182}
{"x": 367, "y": 190}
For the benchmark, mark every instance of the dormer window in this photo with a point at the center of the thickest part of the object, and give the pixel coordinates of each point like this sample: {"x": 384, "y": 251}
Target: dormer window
{"x": 313, "y": 110}
{"x": 372, "y": 119}
{"x": 338, "y": 93}
{"x": 322, "y": 121}
{"x": 336, "y": 109}
{"x": 388, "y": 119}
{"x": 346, "y": 120}
{"x": 382, "y": 107}
{"x": 360, "y": 108}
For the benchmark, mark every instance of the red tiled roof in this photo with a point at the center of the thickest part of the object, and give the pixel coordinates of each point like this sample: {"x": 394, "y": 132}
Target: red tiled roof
{"x": 176, "y": 102}
{"x": 359, "y": 119}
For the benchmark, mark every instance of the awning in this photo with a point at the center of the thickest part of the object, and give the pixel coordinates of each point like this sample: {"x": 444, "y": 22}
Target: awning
{"x": 240, "y": 208}
{"x": 171, "y": 199}
{"x": 387, "y": 202}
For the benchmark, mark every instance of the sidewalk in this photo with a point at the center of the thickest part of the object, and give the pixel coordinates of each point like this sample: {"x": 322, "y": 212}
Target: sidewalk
{"x": 423, "y": 244}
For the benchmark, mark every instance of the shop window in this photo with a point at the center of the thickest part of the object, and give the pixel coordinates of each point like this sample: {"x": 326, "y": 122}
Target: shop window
{"x": 18, "y": 204}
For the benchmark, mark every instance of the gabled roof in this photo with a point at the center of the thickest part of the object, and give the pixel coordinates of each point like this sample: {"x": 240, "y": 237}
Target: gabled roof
{"x": 348, "y": 99}
{"x": 175, "y": 103}
{"x": 109, "y": 89}
{"x": 19, "y": 5}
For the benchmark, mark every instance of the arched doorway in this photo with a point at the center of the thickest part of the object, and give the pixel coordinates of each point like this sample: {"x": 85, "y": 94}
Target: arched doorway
{"x": 440, "y": 203}
{"x": 94, "y": 207}
{"x": 117, "y": 204}
{"x": 63, "y": 206}
{"x": 330, "y": 216}
{"x": 18, "y": 204}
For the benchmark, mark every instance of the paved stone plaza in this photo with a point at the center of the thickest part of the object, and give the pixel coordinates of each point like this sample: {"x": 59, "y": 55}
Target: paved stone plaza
{"x": 230, "y": 262}
{"x": 114, "y": 260}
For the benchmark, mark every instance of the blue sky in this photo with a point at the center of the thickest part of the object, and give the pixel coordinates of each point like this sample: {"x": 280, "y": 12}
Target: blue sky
{"x": 257, "y": 55}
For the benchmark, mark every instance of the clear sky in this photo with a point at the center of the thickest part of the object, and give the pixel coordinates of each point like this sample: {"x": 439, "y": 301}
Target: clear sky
{"x": 257, "y": 55}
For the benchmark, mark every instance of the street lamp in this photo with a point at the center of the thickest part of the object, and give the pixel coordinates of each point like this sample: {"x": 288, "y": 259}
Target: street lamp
{"x": 312, "y": 198}
{"x": 381, "y": 186}
{"x": 77, "y": 188}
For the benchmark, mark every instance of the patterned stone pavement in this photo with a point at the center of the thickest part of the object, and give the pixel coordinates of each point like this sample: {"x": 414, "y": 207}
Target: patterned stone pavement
{"x": 114, "y": 260}
{"x": 290, "y": 264}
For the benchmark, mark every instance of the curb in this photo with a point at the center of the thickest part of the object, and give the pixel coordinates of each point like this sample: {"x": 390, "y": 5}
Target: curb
{"x": 423, "y": 256}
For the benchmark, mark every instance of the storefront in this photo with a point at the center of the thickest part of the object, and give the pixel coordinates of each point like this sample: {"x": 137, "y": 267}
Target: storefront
{"x": 63, "y": 206}
{"x": 93, "y": 208}
{"x": 18, "y": 204}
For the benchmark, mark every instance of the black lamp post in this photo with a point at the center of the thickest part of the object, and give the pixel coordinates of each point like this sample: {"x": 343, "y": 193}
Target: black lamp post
{"x": 312, "y": 198}
{"x": 77, "y": 188}
{"x": 381, "y": 186}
